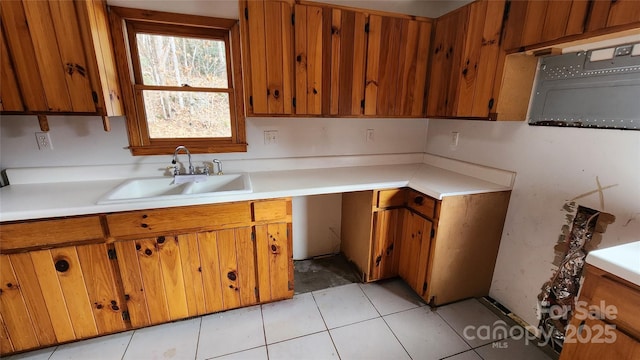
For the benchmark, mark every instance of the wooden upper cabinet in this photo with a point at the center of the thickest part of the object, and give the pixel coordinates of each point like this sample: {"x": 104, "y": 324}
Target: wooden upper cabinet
{"x": 608, "y": 13}
{"x": 61, "y": 55}
{"x": 465, "y": 56}
{"x": 267, "y": 28}
{"x": 534, "y": 22}
{"x": 348, "y": 49}
{"x": 10, "y": 98}
{"x": 397, "y": 60}
{"x": 309, "y": 47}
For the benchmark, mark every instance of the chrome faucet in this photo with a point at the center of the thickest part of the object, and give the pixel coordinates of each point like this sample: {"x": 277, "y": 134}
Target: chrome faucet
{"x": 176, "y": 170}
{"x": 219, "y": 163}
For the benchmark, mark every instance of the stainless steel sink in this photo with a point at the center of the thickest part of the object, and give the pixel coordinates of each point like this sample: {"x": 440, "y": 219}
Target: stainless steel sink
{"x": 164, "y": 188}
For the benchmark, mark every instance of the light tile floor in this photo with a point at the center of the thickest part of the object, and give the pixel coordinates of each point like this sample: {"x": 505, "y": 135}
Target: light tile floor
{"x": 383, "y": 320}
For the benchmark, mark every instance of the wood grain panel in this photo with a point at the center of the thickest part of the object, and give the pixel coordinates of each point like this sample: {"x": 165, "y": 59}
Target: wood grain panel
{"x": 229, "y": 274}
{"x": 172, "y": 277}
{"x": 423, "y": 257}
{"x": 274, "y": 51}
{"x": 534, "y": 22}
{"x": 36, "y": 305}
{"x": 257, "y": 46}
{"x": 47, "y": 54}
{"x": 391, "y": 35}
{"x": 623, "y": 12}
{"x": 487, "y": 63}
{"x": 577, "y": 17}
{"x": 73, "y": 287}
{"x": 278, "y": 247}
{"x": 10, "y": 98}
{"x": 5, "y": 342}
{"x": 386, "y": 245}
{"x": 72, "y": 54}
{"x": 301, "y": 55}
{"x": 21, "y": 47}
{"x": 210, "y": 271}
{"x": 192, "y": 273}
{"x": 374, "y": 43}
{"x": 132, "y": 283}
{"x": 14, "y": 310}
{"x": 358, "y": 72}
{"x": 104, "y": 296}
{"x": 53, "y": 295}
{"x": 555, "y": 23}
{"x": 271, "y": 210}
{"x": 468, "y": 72}
{"x": 338, "y": 32}
{"x": 263, "y": 263}
{"x": 410, "y": 248}
{"x": 314, "y": 60}
{"x": 21, "y": 235}
{"x": 287, "y": 58}
{"x": 391, "y": 197}
{"x": 173, "y": 220}
{"x": 413, "y": 79}
{"x": 247, "y": 272}
{"x": 152, "y": 280}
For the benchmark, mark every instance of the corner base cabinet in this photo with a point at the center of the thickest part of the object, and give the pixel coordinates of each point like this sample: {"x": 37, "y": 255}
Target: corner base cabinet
{"x": 444, "y": 249}
{"x": 73, "y": 278}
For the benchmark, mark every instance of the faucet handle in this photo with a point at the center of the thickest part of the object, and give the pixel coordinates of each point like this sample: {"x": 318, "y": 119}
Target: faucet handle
{"x": 173, "y": 169}
{"x": 217, "y": 161}
{"x": 205, "y": 168}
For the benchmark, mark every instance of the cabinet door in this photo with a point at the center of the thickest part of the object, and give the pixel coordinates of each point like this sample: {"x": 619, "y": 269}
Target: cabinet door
{"x": 54, "y": 38}
{"x": 10, "y": 98}
{"x": 594, "y": 339}
{"x": 538, "y": 21}
{"x": 446, "y": 57}
{"x": 607, "y": 13}
{"x": 274, "y": 261}
{"x": 414, "y": 251}
{"x": 348, "y": 62}
{"x": 268, "y": 56}
{"x": 59, "y": 295}
{"x": 173, "y": 277}
{"x": 397, "y": 57}
{"x": 310, "y": 46}
{"x": 385, "y": 249}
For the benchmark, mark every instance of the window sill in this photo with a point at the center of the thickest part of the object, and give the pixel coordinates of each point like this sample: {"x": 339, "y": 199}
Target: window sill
{"x": 194, "y": 149}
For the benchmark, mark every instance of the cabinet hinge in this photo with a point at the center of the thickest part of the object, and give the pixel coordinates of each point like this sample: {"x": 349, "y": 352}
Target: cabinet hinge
{"x": 490, "y": 103}
{"x": 253, "y": 236}
{"x": 424, "y": 287}
{"x": 246, "y": 13}
{"x": 112, "y": 254}
{"x": 293, "y": 19}
{"x": 256, "y": 293}
{"x": 250, "y": 100}
{"x": 366, "y": 28}
{"x": 125, "y": 316}
{"x": 293, "y": 102}
{"x": 433, "y": 233}
{"x": 362, "y": 104}
{"x": 94, "y": 95}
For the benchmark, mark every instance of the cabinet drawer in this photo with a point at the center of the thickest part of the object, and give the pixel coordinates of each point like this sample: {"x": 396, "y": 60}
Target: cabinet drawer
{"x": 172, "y": 220}
{"x": 626, "y": 300}
{"x": 421, "y": 203}
{"x": 271, "y": 210}
{"x": 49, "y": 232}
{"x": 391, "y": 198}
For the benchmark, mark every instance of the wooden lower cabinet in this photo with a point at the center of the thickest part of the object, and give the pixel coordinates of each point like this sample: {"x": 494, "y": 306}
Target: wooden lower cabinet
{"x": 58, "y": 295}
{"x": 603, "y": 334}
{"x": 149, "y": 267}
{"x": 444, "y": 249}
{"x": 414, "y": 251}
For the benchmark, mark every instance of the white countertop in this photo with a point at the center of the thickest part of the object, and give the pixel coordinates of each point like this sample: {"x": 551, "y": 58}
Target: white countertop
{"x": 622, "y": 261}
{"x": 67, "y": 198}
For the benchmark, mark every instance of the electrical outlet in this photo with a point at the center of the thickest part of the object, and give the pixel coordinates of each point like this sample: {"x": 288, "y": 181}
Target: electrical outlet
{"x": 371, "y": 135}
{"x": 270, "y": 137}
{"x": 44, "y": 141}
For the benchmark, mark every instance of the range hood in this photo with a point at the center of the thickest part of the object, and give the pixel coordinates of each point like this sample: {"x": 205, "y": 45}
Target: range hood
{"x": 592, "y": 89}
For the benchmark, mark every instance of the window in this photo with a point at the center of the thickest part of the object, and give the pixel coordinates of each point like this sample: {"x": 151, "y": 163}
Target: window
{"x": 181, "y": 81}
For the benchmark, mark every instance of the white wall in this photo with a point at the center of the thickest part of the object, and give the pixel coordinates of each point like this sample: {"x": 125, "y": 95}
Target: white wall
{"x": 553, "y": 165}
{"x": 80, "y": 140}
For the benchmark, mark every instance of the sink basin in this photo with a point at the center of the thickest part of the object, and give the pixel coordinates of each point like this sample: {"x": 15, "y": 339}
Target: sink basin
{"x": 164, "y": 188}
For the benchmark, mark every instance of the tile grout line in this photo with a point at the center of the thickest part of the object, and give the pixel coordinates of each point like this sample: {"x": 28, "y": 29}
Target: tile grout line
{"x": 128, "y": 344}
{"x": 264, "y": 332}
{"x": 56, "y": 348}
{"x": 325, "y": 325}
{"x": 385, "y": 321}
{"x": 195, "y": 357}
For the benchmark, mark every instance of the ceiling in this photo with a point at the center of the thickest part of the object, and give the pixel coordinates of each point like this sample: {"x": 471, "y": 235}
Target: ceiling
{"x": 229, "y": 8}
